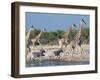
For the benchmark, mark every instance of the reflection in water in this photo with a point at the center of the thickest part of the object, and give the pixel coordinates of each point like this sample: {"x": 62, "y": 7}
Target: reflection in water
{"x": 56, "y": 63}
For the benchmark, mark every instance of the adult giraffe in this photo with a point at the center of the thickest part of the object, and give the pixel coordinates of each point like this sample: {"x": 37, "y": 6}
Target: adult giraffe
{"x": 64, "y": 41}
{"x": 34, "y": 40}
{"x": 77, "y": 39}
{"x": 27, "y": 40}
{"x": 37, "y": 38}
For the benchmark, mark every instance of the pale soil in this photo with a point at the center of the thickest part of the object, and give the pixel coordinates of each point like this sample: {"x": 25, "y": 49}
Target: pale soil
{"x": 50, "y": 47}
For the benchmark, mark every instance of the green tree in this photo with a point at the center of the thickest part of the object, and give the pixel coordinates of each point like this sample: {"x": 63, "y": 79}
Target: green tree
{"x": 60, "y": 33}
{"x": 85, "y": 35}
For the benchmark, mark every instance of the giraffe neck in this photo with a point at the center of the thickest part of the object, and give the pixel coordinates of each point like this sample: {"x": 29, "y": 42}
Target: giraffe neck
{"x": 67, "y": 33}
{"x": 28, "y": 34}
{"x": 78, "y": 34}
{"x": 39, "y": 35}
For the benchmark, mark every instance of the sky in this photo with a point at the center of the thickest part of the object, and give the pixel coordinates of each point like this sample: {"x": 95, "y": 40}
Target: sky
{"x": 54, "y": 21}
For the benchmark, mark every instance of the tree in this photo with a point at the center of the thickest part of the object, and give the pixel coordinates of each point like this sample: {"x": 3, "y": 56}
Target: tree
{"x": 85, "y": 35}
{"x": 60, "y": 33}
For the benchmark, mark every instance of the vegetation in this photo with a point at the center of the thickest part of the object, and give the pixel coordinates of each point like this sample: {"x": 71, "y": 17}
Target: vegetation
{"x": 54, "y": 35}
{"x": 85, "y": 35}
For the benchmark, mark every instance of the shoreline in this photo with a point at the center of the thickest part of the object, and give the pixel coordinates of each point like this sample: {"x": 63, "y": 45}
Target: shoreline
{"x": 78, "y": 55}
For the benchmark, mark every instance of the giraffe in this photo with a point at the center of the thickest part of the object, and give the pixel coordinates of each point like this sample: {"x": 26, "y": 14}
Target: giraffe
{"x": 34, "y": 40}
{"x": 37, "y": 38}
{"x": 64, "y": 41}
{"x": 28, "y": 33}
{"x": 77, "y": 38}
{"x": 66, "y": 35}
{"x": 27, "y": 40}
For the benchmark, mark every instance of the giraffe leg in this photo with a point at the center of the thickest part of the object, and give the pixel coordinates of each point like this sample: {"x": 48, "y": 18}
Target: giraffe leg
{"x": 40, "y": 43}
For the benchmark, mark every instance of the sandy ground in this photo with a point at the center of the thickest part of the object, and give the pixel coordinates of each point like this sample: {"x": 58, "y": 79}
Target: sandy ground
{"x": 79, "y": 54}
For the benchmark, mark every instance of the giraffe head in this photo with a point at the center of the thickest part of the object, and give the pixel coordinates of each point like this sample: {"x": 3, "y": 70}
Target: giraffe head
{"x": 44, "y": 30}
{"x": 32, "y": 28}
{"x": 74, "y": 25}
{"x": 83, "y": 21}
